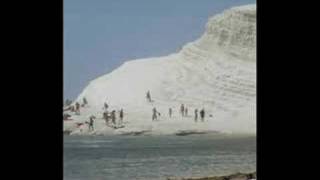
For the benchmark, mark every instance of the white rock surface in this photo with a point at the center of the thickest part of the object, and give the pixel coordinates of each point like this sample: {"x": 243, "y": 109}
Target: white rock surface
{"x": 216, "y": 72}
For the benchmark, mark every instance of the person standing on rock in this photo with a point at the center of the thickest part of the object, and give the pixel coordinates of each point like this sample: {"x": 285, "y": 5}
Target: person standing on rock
{"x": 113, "y": 117}
{"x": 202, "y": 114}
{"x": 91, "y": 123}
{"x": 77, "y": 108}
{"x": 106, "y": 116}
{"x": 154, "y": 114}
{"x": 196, "y": 115}
{"x": 85, "y": 102}
{"x": 121, "y": 116}
{"x": 106, "y": 105}
{"x": 170, "y": 112}
{"x": 182, "y": 109}
{"x": 148, "y": 96}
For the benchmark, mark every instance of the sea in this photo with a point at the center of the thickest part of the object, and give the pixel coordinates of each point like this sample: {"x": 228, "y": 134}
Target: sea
{"x": 157, "y": 157}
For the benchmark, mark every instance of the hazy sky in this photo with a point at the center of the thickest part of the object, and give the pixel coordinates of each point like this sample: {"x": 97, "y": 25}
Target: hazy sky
{"x": 99, "y": 35}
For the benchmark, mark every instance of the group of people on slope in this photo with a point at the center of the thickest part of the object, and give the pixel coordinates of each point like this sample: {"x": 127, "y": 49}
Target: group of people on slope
{"x": 183, "y": 111}
{"x": 202, "y": 115}
{"x": 107, "y": 116}
{"x": 74, "y": 108}
{"x": 111, "y": 116}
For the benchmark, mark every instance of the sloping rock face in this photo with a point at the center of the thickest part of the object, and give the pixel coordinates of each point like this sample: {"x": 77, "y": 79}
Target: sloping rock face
{"x": 216, "y": 72}
{"x": 233, "y": 32}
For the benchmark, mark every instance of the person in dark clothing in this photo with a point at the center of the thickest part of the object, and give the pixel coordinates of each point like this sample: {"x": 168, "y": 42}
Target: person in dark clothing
{"x": 170, "y": 112}
{"x": 121, "y": 116}
{"x": 106, "y": 116}
{"x": 182, "y": 109}
{"x": 154, "y": 114}
{"x": 113, "y": 117}
{"x": 196, "y": 115}
{"x": 85, "y": 102}
{"x": 186, "y": 111}
{"x": 148, "y": 96}
{"x": 106, "y": 106}
{"x": 202, "y": 114}
{"x": 77, "y": 108}
{"x": 91, "y": 123}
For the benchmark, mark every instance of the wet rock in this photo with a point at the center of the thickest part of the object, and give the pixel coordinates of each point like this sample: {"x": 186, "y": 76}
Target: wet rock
{"x": 236, "y": 176}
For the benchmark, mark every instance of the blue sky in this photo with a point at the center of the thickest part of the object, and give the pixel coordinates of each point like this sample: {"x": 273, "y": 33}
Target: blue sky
{"x": 99, "y": 35}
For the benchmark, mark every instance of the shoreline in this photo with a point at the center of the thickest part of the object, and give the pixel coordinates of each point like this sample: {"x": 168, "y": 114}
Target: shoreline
{"x": 235, "y": 176}
{"x": 150, "y": 133}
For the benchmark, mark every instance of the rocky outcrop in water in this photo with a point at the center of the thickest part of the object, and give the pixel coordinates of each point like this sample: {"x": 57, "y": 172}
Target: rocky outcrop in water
{"x": 237, "y": 176}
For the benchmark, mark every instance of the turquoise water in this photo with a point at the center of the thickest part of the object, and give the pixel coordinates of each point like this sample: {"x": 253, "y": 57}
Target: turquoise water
{"x": 156, "y": 157}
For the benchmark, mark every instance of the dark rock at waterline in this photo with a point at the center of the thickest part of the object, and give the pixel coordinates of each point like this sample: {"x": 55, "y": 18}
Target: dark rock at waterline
{"x": 134, "y": 133}
{"x": 237, "y": 176}
{"x": 192, "y": 132}
{"x": 67, "y": 132}
{"x": 185, "y": 133}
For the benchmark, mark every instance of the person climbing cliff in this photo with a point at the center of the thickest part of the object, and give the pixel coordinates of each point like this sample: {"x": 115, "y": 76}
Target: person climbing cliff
{"x": 113, "y": 117}
{"x": 202, "y": 114}
{"x": 196, "y": 115}
{"x": 170, "y": 112}
{"x": 106, "y": 116}
{"x": 84, "y": 101}
{"x": 91, "y": 121}
{"x": 105, "y": 105}
{"x": 77, "y": 108}
{"x": 148, "y": 96}
{"x": 182, "y": 109}
{"x": 154, "y": 114}
{"x": 121, "y": 116}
